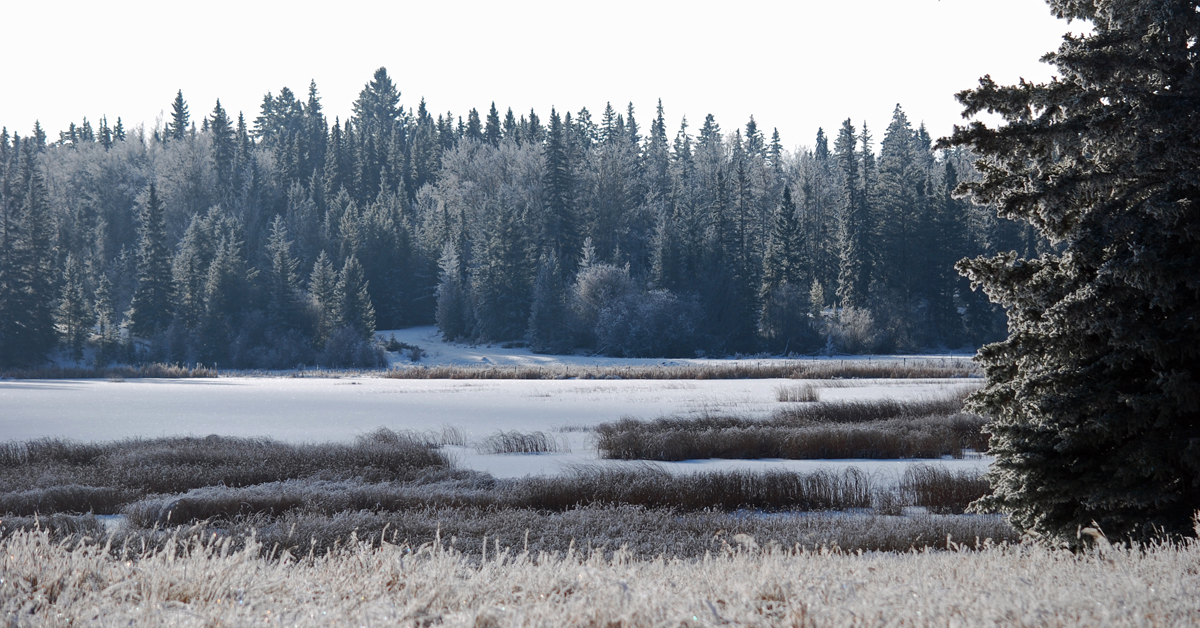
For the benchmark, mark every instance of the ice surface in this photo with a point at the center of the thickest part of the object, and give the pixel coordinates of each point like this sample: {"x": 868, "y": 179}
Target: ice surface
{"x": 315, "y": 409}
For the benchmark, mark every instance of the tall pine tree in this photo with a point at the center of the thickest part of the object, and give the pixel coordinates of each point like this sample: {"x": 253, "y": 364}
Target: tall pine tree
{"x": 1095, "y": 395}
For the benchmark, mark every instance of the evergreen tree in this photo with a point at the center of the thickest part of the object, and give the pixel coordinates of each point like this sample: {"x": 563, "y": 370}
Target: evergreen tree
{"x": 474, "y": 129}
{"x": 453, "y": 307}
{"x": 322, "y": 286}
{"x": 558, "y": 229}
{"x": 782, "y": 261}
{"x": 150, "y": 310}
{"x": 74, "y": 314}
{"x": 1094, "y": 394}
{"x": 283, "y": 287}
{"x": 854, "y": 267}
{"x": 107, "y": 330}
{"x": 27, "y": 292}
{"x": 223, "y": 144}
{"x": 177, "y": 128}
{"x": 491, "y": 132}
{"x": 353, "y": 301}
{"x": 549, "y": 323}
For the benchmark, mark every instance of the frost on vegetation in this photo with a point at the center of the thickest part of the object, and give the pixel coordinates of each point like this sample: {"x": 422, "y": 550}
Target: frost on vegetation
{"x": 201, "y": 582}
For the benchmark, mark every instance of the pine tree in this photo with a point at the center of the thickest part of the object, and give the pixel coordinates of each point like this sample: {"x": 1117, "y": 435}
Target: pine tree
{"x": 74, "y": 314}
{"x": 558, "y": 229}
{"x": 107, "y": 329}
{"x": 453, "y": 308}
{"x": 854, "y": 267}
{"x": 283, "y": 287}
{"x": 150, "y": 310}
{"x": 223, "y": 144}
{"x": 177, "y": 128}
{"x": 322, "y": 286}
{"x": 491, "y": 131}
{"x": 549, "y": 323}
{"x": 352, "y": 300}
{"x": 27, "y": 292}
{"x": 782, "y": 261}
{"x": 1093, "y": 397}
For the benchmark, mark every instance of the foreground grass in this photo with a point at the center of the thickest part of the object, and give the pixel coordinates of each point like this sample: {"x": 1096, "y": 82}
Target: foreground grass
{"x": 195, "y": 582}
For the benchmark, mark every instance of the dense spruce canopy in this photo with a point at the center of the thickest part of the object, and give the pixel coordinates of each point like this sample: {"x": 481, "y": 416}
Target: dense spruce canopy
{"x": 1094, "y": 394}
{"x": 258, "y": 244}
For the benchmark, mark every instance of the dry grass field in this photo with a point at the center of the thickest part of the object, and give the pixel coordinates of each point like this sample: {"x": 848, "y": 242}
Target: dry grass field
{"x": 209, "y": 583}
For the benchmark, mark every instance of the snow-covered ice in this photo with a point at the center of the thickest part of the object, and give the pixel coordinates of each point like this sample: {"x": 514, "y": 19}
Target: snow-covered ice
{"x": 338, "y": 409}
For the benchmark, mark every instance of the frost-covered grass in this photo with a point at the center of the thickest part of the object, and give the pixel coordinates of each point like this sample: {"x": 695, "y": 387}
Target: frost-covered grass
{"x": 746, "y": 580}
{"x": 735, "y": 369}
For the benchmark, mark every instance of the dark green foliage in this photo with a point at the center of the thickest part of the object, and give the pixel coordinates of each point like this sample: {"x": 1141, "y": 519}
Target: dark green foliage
{"x": 352, "y": 301}
{"x": 177, "y": 128}
{"x": 717, "y": 221}
{"x": 549, "y": 316}
{"x": 75, "y": 316}
{"x": 151, "y": 310}
{"x": 1094, "y": 396}
{"x": 27, "y": 285}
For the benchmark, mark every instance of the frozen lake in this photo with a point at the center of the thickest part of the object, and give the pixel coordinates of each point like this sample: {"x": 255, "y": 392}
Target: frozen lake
{"x": 311, "y": 409}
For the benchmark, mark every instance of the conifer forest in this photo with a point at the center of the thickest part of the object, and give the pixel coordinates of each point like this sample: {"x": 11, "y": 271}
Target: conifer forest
{"x": 287, "y": 239}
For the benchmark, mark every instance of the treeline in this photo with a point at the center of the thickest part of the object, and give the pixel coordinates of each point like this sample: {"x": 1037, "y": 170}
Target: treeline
{"x": 288, "y": 240}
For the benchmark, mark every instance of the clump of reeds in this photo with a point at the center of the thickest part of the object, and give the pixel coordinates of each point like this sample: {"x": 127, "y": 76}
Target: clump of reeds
{"x": 797, "y": 393}
{"x": 517, "y": 442}
{"x": 941, "y": 490}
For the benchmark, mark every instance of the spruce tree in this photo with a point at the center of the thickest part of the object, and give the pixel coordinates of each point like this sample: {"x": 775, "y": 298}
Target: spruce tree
{"x": 322, "y": 286}
{"x": 352, "y": 301}
{"x": 549, "y": 323}
{"x": 107, "y": 329}
{"x": 491, "y": 130}
{"x": 283, "y": 287}
{"x": 27, "y": 292}
{"x": 1094, "y": 397}
{"x": 558, "y": 228}
{"x": 177, "y": 128}
{"x": 854, "y": 267}
{"x": 74, "y": 314}
{"x": 150, "y": 310}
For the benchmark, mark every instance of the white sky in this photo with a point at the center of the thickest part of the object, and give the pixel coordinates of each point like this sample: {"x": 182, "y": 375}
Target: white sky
{"x": 794, "y": 65}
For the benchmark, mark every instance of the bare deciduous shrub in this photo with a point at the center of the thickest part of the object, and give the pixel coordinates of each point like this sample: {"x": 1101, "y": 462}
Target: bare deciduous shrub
{"x": 516, "y": 442}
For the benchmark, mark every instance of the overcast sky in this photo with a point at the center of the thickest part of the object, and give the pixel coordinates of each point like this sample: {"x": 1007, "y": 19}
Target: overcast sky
{"x": 794, "y": 65}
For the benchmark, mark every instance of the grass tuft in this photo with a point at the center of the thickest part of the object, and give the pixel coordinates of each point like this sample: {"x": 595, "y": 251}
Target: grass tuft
{"x": 515, "y": 442}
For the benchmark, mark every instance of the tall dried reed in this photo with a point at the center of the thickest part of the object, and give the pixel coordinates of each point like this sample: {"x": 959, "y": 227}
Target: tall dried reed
{"x": 890, "y": 368}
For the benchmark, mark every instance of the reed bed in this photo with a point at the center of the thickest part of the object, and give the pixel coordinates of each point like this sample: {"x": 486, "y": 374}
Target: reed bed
{"x": 644, "y": 486}
{"x": 746, "y": 580}
{"x": 892, "y": 368}
{"x": 929, "y": 427}
{"x": 173, "y": 465}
